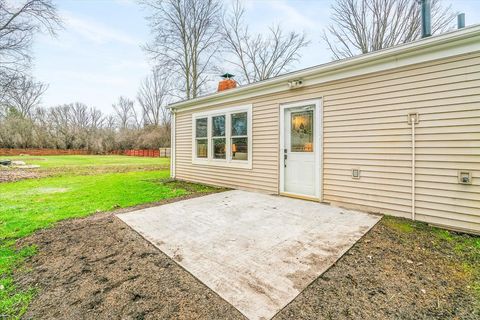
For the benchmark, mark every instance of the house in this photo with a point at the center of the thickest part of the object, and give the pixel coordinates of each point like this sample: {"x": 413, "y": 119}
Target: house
{"x": 396, "y": 131}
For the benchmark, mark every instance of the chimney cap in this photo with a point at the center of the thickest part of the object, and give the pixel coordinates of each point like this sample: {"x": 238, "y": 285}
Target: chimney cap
{"x": 227, "y": 76}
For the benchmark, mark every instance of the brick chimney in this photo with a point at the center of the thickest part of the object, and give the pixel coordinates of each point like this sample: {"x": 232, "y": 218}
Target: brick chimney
{"x": 227, "y": 82}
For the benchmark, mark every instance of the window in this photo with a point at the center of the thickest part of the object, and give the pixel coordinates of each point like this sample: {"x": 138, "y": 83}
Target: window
{"x": 201, "y": 134}
{"x": 218, "y": 137}
{"x": 302, "y": 131}
{"x": 239, "y": 136}
{"x": 223, "y": 137}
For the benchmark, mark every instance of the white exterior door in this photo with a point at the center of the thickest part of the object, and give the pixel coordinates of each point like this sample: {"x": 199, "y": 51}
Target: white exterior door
{"x": 300, "y": 161}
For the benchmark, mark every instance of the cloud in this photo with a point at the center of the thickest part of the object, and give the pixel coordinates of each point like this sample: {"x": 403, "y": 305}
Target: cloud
{"x": 292, "y": 16}
{"x": 94, "y": 31}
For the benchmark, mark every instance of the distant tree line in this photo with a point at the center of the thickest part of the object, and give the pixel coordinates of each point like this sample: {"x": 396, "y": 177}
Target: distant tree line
{"x": 78, "y": 126}
{"x": 24, "y": 123}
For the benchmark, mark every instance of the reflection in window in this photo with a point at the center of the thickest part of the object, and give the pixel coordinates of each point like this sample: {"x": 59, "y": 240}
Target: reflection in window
{"x": 201, "y": 127}
{"x": 218, "y": 137}
{"x": 239, "y": 148}
{"x": 218, "y": 123}
{"x": 201, "y": 137}
{"x": 222, "y": 137}
{"x": 239, "y": 124}
{"x": 239, "y": 141}
{"x": 202, "y": 148}
{"x": 219, "y": 151}
{"x": 302, "y": 131}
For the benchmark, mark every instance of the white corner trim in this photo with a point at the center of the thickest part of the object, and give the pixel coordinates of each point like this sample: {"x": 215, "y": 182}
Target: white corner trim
{"x": 228, "y": 162}
{"x": 446, "y": 45}
{"x": 172, "y": 146}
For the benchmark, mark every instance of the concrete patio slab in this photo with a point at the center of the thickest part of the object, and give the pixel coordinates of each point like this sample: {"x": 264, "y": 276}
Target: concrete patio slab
{"x": 256, "y": 251}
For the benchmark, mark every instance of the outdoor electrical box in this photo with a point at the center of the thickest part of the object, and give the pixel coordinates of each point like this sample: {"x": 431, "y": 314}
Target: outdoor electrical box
{"x": 464, "y": 177}
{"x": 355, "y": 173}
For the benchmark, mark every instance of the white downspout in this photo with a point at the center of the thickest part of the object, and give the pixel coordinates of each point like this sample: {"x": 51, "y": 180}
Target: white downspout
{"x": 412, "y": 120}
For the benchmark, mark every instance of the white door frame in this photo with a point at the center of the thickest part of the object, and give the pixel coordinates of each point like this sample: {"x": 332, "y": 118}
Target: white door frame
{"x": 318, "y": 146}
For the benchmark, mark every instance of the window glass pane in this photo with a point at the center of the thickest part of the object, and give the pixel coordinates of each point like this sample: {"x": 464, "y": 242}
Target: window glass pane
{"x": 302, "y": 131}
{"x": 219, "y": 148}
{"x": 218, "y": 129}
{"x": 240, "y": 148}
{"x": 202, "y": 148}
{"x": 239, "y": 124}
{"x": 201, "y": 128}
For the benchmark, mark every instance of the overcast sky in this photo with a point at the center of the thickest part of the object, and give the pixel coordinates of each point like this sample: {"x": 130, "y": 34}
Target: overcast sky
{"x": 98, "y": 55}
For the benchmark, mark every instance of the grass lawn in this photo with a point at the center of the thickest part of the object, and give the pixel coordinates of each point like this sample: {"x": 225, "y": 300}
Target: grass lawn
{"x": 408, "y": 268}
{"x": 79, "y": 161}
{"x": 33, "y": 204}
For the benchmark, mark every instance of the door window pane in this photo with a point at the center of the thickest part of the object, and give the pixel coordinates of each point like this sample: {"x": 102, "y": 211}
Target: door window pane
{"x": 302, "y": 131}
{"x": 202, "y": 148}
{"x": 239, "y": 124}
{"x": 218, "y": 123}
{"x": 219, "y": 151}
{"x": 201, "y": 127}
{"x": 240, "y": 148}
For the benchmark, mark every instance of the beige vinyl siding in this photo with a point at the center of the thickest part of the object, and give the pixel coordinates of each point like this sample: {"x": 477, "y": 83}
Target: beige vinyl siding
{"x": 368, "y": 129}
{"x": 263, "y": 176}
{"x": 365, "y": 126}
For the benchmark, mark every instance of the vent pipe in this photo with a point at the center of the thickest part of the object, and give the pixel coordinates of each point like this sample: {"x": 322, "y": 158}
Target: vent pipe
{"x": 426, "y": 18}
{"x": 461, "y": 21}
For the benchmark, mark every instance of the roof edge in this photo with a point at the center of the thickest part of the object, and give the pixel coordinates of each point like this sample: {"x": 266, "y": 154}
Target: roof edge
{"x": 279, "y": 83}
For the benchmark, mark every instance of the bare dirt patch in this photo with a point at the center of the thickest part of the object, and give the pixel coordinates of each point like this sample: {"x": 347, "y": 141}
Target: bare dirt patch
{"x": 11, "y": 175}
{"x": 98, "y": 268}
{"x": 393, "y": 273}
{"x": 95, "y": 170}
{"x": 17, "y": 174}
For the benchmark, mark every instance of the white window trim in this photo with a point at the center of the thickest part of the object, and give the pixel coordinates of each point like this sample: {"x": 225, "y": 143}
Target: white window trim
{"x": 228, "y": 162}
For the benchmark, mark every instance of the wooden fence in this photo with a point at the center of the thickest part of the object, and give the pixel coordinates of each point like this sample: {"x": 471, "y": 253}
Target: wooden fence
{"x": 158, "y": 153}
{"x": 41, "y": 152}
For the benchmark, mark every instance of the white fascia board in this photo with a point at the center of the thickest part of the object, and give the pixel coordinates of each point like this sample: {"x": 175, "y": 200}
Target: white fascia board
{"x": 443, "y": 46}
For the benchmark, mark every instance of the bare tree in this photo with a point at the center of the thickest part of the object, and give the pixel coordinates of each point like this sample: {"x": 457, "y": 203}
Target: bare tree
{"x": 153, "y": 96}
{"x": 110, "y": 122}
{"x": 260, "y": 57}
{"x": 80, "y": 117}
{"x": 60, "y": 119}
{"x": 125, "y": 113}
{"x": 7, "y": 80}
{"x": 186, "y": 39}
{"x": 97, "y": 120}
{"x": 361, "y": 26}
{"x": 77, "y": 126}
{"x": 19, "y": 22}
{"x": 25, "y": 95}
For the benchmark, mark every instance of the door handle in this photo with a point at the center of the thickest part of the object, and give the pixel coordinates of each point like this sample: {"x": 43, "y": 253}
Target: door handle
{"x": 285, "y": 158}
